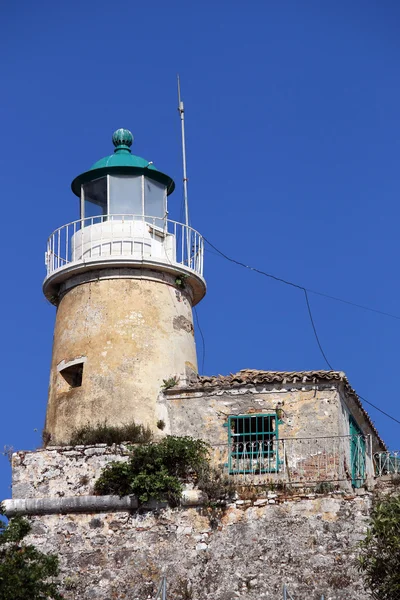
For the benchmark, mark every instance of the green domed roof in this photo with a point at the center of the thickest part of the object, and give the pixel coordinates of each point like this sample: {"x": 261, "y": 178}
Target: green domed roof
{"x": 122, "y": 162}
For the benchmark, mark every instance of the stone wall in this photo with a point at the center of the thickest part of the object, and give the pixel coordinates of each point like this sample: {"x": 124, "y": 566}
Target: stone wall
{"x": 60, "y": 471}
{"x": 247, "y": 551}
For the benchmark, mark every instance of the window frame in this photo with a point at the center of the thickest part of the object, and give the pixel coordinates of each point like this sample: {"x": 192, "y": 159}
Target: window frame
{"x": 102, "y": 216}
{"x": 143, "y": 177}
{"x": 72, "y": 371}
{"x": 269, "y": 456}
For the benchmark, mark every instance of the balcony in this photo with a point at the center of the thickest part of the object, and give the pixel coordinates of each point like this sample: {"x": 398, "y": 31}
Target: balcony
{"x": 387, "y": 463}
{"x": 298, "y": 461}
{"x": 124, "y": 241}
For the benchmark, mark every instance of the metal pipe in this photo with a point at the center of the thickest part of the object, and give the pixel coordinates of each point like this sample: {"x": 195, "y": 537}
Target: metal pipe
{"x": 159, "y": 590}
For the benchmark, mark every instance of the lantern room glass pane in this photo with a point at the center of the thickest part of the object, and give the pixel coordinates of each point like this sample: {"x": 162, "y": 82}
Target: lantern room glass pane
{"x": 154, "y": 201}
{"x": 126, "y": 195}
{"x": 95, "y": 197}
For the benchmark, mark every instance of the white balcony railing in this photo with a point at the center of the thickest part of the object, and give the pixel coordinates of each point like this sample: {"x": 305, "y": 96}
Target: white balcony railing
{"x": 136, "y": 237}
{"x": 387, "y": 463}
{"x": 297, "y": 460}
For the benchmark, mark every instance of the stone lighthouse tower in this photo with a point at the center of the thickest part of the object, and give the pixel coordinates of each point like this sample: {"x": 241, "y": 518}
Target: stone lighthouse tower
{"x": 124, "y": 279}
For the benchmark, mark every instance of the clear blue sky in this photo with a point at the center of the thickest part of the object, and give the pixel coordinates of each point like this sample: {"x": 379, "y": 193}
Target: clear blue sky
{"x": 293, "y": 150}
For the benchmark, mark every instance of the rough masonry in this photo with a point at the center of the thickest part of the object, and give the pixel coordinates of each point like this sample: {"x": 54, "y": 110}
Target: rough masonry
{"x": 247, "y": 549}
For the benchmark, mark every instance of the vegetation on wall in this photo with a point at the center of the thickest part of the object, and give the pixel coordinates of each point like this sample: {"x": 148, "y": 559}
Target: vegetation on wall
{"x": 180, "y": 281}
{"x": 103, "y": 433}
{"x": 157, "y": 470}
{"x": 218, "y": 486}
{"x": 170, "y": 383}
{"x": 380, "y": 550}
{"x": 25, "y": 573}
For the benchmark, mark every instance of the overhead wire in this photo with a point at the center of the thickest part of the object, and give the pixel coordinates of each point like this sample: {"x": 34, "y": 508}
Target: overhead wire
{"x": 315, "y": 331}
{"x": 306, "y": 291}
{"x": 379, "y": 409}
{"x": 301, "y": 287}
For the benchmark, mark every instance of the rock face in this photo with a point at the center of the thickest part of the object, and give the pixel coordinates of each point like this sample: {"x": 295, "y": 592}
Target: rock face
{"x": 244, "y": 551}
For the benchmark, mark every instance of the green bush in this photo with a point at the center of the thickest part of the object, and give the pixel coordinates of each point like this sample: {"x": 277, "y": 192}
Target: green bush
{"x": 25, "y": 573}
{"x": 102, "y": 433}
{"x": 156, "y": 470}
{"x": 380, "y": 550}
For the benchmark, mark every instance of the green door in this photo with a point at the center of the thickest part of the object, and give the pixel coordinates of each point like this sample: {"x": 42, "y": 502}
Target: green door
{"x": 357, "y": 454}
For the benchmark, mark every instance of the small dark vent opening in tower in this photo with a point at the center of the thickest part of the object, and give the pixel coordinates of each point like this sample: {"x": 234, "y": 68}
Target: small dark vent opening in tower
{"x": 73, "y": 374}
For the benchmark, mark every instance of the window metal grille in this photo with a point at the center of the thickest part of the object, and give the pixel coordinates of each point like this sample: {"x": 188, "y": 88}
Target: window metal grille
{"x": 253, "y": 444}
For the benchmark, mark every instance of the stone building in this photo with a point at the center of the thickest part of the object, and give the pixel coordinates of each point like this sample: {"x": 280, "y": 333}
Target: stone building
{"x": 124, "y": 279}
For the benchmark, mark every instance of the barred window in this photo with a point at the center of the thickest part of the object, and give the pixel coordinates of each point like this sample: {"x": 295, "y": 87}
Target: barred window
{"x": 253, "y": 444}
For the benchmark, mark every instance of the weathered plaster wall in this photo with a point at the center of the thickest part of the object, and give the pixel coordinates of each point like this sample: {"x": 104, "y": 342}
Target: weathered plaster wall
{"x": 134, "y": 332}
{"x": 315, "y": 422}
{"x": 308, "y": 410}
{"x": 245, "y": 552}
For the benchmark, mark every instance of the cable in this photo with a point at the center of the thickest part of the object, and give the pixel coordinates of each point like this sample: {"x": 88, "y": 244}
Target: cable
{"x": 306, "y": 290}
{"x": 380, "y": 410}
{"x": 374, "y": 310}
{"x": 315, "y": 331}
{"x": 203, "y": 340}
{"x": 301, "y": 287}
{"x": 237, "y": 262}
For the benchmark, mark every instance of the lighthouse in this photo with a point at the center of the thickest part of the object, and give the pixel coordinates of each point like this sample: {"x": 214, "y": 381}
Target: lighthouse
{"x": 124, "y": 279}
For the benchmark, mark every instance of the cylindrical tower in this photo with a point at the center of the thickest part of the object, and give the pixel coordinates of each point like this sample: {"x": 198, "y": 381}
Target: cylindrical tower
{"x": 124, "y": 279}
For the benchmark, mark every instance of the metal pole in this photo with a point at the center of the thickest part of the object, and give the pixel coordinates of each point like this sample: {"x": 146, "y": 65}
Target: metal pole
{"x": 164, "y": 589}
{"x": 284, "y": 593}
{"x": 181, "y": 110}
{"x": 159, "y": 589}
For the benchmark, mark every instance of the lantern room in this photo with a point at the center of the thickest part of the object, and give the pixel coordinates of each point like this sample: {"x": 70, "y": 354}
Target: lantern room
{"x": 123, "y": 222}
{"x": 123, "y": 184}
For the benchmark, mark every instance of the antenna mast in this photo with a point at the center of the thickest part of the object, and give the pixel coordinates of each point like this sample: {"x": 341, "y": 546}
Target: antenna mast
{"x": 181, "y": 110}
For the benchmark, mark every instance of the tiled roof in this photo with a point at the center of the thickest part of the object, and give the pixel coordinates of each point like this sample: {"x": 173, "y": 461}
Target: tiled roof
{"x": 254, "y": 377}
